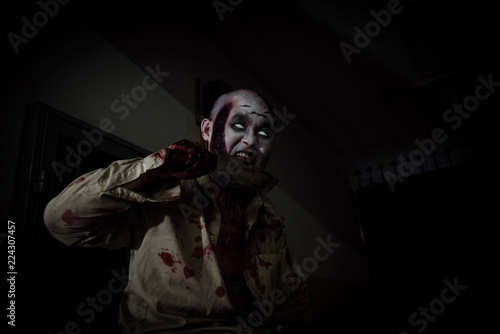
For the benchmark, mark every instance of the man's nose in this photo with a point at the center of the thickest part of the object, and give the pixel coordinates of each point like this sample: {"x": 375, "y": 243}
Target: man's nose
{"x": 249, "y": 138}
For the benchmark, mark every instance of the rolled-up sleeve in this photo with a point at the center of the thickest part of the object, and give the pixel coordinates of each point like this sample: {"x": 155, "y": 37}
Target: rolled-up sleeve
{"x": 96, "y": 211}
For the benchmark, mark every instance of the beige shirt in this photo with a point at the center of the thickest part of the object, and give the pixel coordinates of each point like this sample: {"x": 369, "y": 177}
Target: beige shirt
{"x": 175, "y": 282}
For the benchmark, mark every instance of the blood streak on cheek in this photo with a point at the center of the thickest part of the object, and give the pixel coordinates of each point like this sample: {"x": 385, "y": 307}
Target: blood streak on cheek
{"x": 218, "y": 141}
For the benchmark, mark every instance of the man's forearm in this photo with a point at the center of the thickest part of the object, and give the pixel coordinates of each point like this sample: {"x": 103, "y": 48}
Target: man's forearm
{"x": 78, "y": 214}
{"x": 144, "y": 180}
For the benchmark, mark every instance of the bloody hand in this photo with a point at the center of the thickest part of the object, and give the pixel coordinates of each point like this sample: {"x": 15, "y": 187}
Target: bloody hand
{"x": 188, "y": 160}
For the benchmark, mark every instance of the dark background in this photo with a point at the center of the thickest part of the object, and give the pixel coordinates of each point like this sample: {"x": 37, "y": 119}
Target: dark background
{"x": 437, "y": 225}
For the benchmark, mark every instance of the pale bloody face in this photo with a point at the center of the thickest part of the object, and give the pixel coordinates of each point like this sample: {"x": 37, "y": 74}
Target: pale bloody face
{"x": 243, "y": 128}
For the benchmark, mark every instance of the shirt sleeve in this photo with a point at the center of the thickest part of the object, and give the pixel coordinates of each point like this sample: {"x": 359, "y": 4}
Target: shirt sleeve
{"x": 96, "y": 211}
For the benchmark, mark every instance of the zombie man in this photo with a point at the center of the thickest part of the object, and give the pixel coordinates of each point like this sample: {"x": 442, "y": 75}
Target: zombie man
{"x": 208, "y": 248}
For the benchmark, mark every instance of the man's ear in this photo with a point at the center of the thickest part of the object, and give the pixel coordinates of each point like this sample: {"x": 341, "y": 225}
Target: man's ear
{"x": 206, "y": 129}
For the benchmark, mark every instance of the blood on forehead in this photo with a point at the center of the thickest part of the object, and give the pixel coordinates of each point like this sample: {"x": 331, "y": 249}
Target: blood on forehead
{"x": 218, "y": 141}
{"x": 266, "y": 114}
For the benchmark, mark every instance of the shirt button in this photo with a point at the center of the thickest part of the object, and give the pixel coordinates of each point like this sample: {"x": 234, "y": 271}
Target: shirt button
{"x": 212, "y": 237}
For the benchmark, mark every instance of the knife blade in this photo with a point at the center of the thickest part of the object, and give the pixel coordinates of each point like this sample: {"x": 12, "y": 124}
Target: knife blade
{"x": 237, "y": 172}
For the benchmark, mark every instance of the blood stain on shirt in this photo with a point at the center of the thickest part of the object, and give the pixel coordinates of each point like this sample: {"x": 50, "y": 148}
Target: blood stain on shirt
{"x": 77, "y": 181}
{"x": 188, "y": 273}
{"x": 68, "y": 217}
{"x": 254, "y": 273}
{"x": 207, "y": 249}
{"x": 168, "y": 259}
{"x": 275, "y": 224}
{"x": 160, "y": 154}
{"x": 264, "y": 263}
{"x": 220, "y": 292}
{"x": 197, "y": 253}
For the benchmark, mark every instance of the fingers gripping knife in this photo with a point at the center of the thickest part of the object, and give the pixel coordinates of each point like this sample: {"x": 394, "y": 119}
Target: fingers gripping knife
{"x": 230, "y": 169}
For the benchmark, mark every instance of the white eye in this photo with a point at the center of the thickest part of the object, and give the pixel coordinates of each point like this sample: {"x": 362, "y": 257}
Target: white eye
{"x": 239, "y": 126}
{"x": 263, "y": 133}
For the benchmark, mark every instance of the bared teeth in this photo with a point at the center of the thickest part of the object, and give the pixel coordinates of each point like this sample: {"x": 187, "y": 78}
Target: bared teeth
{"x": 243, "y": 155}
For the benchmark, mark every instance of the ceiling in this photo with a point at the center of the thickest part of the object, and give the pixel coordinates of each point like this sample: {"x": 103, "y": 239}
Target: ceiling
{"x": 389, "y": 93}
